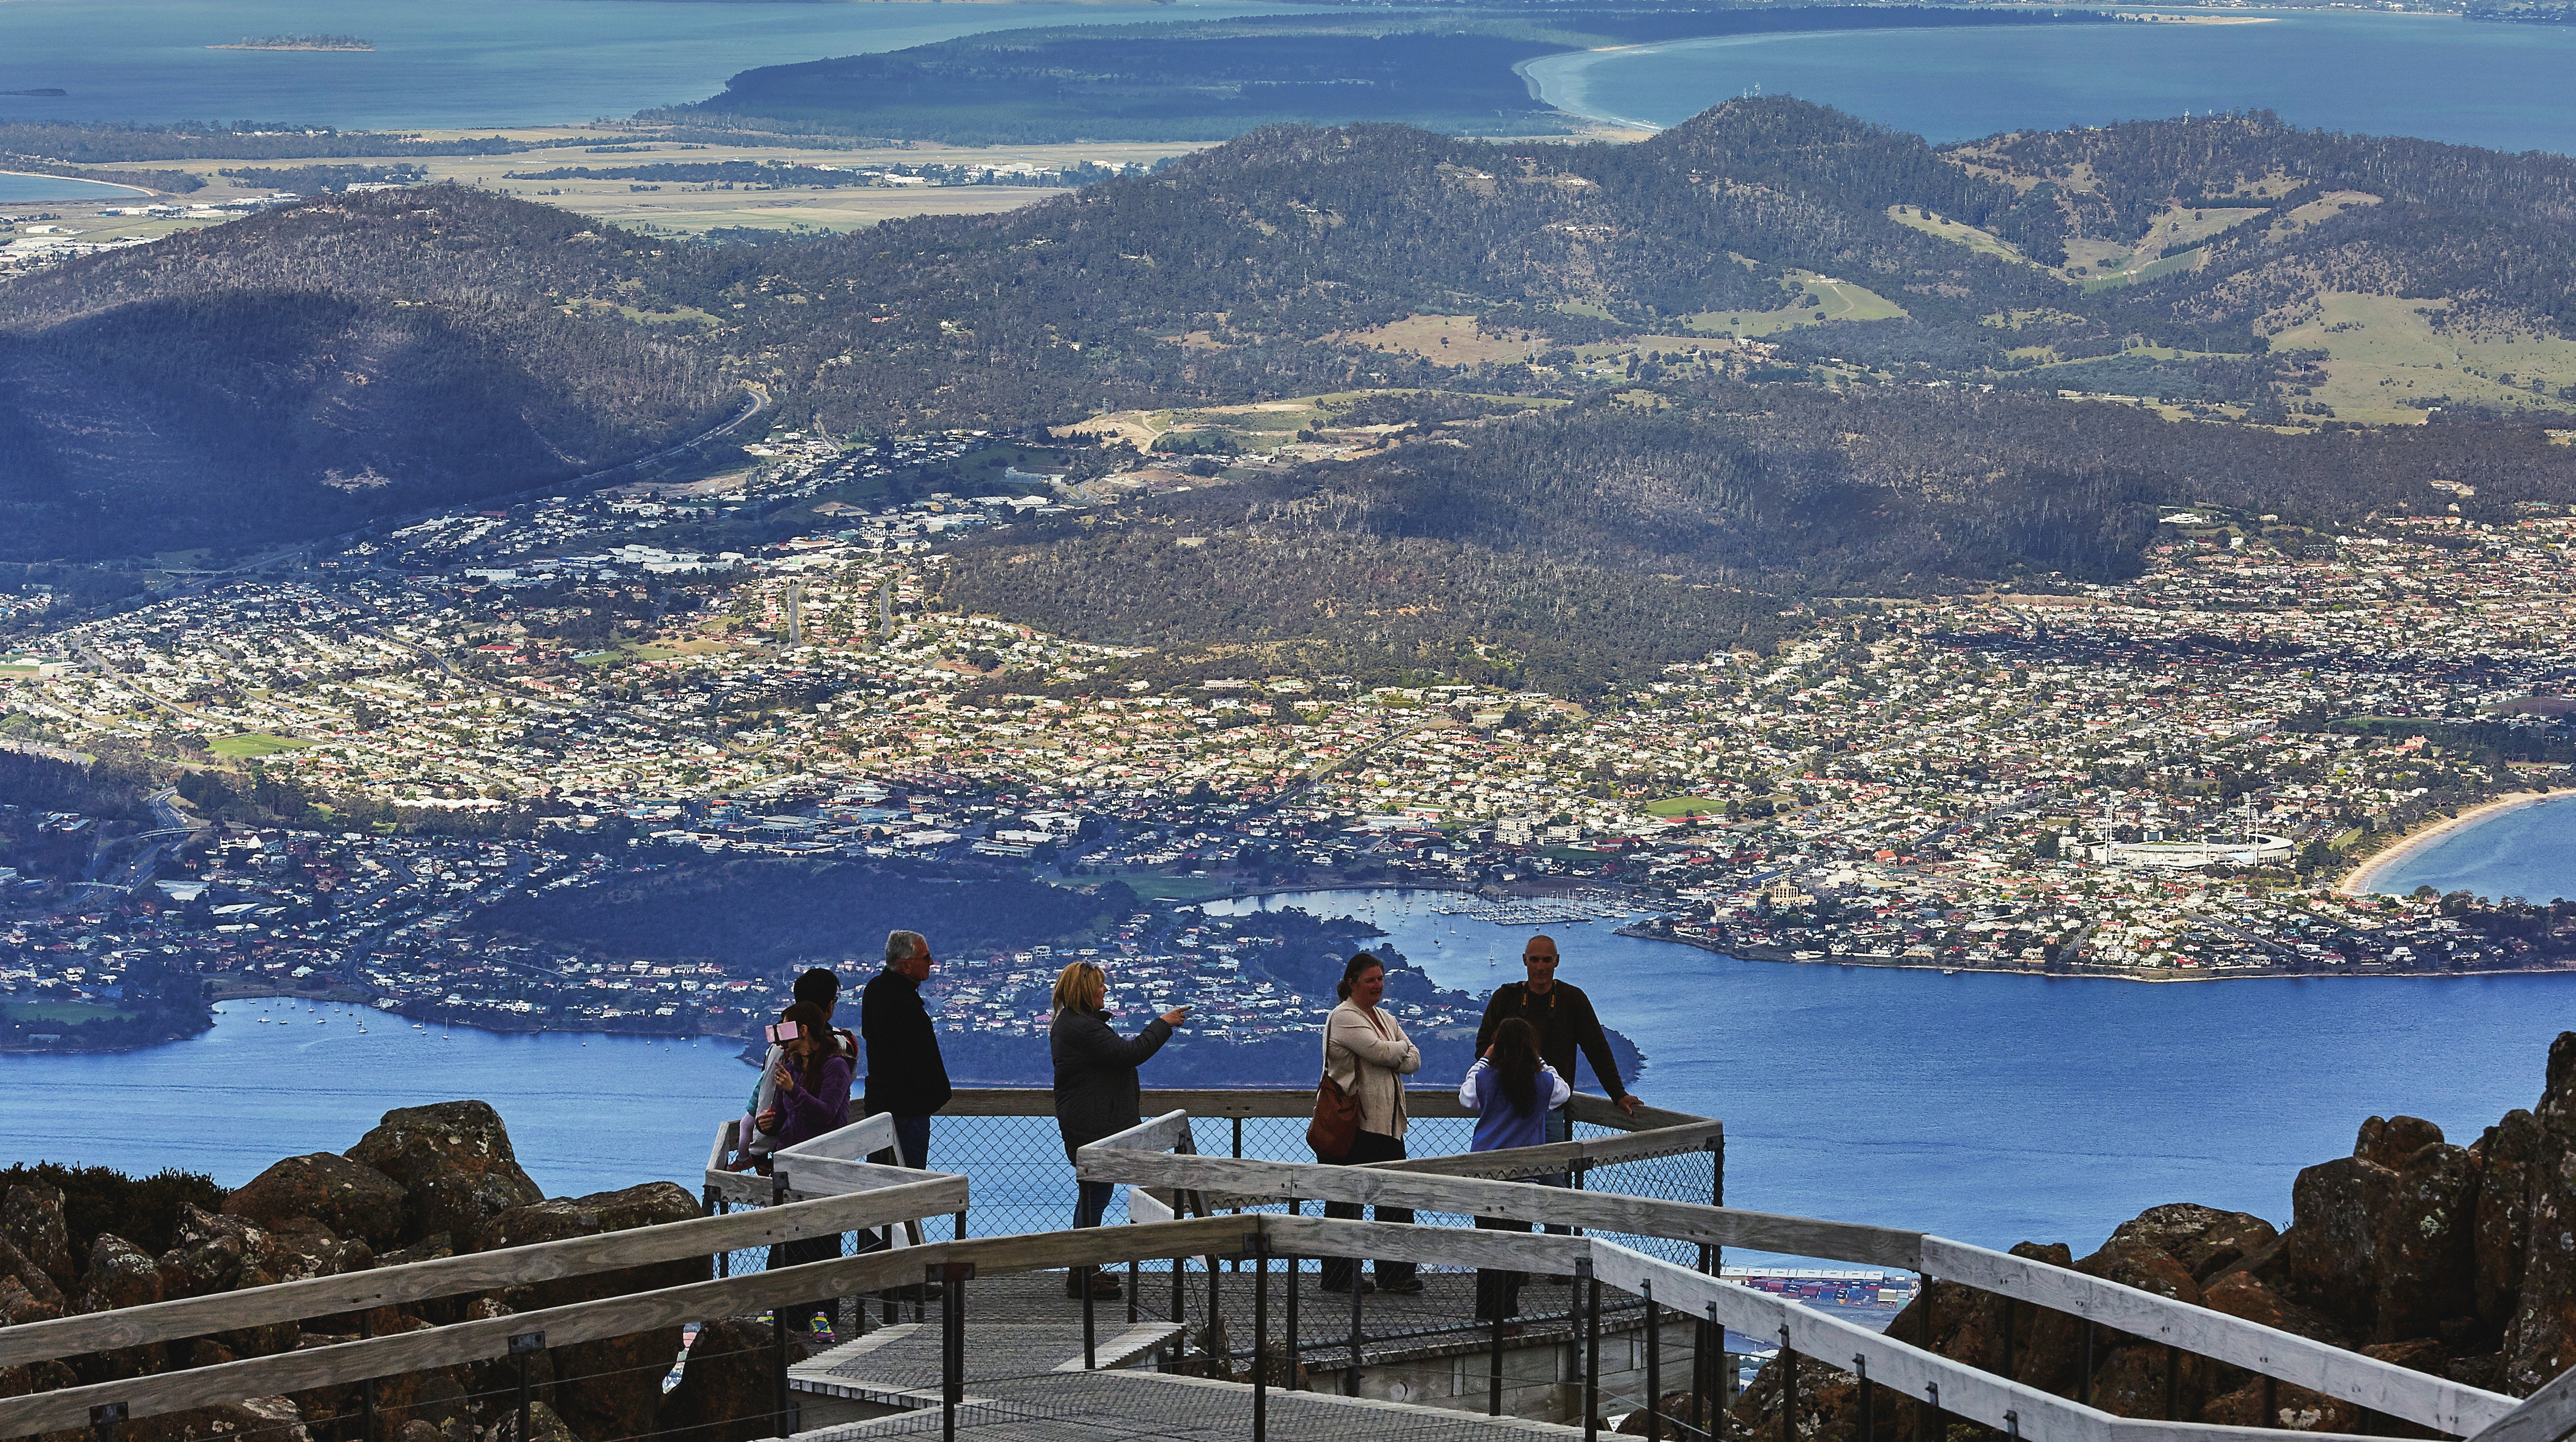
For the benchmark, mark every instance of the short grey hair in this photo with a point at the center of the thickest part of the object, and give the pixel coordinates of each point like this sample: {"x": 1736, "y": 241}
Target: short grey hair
{"x": 905, "y": 945}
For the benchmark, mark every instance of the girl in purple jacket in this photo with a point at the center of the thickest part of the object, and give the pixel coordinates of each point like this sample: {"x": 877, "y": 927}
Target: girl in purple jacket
{"x": 1511, "y": 1091}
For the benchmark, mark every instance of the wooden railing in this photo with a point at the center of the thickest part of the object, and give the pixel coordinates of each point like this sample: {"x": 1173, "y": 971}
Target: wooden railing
{"x": 1142, "y": 1157}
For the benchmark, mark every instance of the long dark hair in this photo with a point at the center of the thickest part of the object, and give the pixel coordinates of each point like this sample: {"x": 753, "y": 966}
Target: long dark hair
{"x": 1515, "y": 1060}
{"x": 1351, "y": 972}
{"x": 810, "y": 1022}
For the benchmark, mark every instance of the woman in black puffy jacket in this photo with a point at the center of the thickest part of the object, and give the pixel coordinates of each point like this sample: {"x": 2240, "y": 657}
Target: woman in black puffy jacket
{"x": 1096, "y": 1091}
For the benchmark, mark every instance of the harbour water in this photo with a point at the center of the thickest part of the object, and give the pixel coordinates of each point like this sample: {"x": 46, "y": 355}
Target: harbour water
{"x": 459, "y": 62}
{"x": 1993, "y": 1109}
{"x": 2527, "y": 851}
{"x": 17, "y": 189}
{"x": 2376, "y": 72}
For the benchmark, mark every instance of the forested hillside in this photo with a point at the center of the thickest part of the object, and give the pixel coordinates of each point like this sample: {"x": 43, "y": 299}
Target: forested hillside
{"x": 304, "y": 370}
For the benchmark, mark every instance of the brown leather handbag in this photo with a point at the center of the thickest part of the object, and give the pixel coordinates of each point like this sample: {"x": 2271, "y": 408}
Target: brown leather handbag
{"x": 1336, "y": 1127}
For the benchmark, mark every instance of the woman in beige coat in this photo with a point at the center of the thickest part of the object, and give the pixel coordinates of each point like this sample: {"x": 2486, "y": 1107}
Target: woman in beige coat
{"x": 1367, "y": 1055}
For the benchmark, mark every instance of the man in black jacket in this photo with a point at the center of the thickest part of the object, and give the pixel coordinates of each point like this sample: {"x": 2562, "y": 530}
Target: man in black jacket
{"x": 1566, "y": 1024}
{"x": 905, "y": 1073}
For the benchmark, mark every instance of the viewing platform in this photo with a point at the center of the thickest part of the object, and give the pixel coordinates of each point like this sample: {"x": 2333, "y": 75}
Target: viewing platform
{"x": 960, "y": 1309}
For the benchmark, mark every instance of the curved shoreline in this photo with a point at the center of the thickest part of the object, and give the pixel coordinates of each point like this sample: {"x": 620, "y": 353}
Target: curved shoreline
{"x": 2363, "y": 878}
{"x": 67, "y": 199}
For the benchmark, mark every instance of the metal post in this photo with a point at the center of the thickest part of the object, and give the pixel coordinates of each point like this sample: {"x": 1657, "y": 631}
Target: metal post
{"x": 1591, "y": 1286}
{"x": 2271, "y": 1401}
{"x": 1654, "y": 1365}
{"x": 777, "y": 1371}
{"x": 952, "y": 1277}
{"x": 1135, "y": 1299}
{"x": 2084, "y": 1381}
{"x": 1181, "y": 1342}
{"x": 1216, "y": 1317}
{"x": 961, "y": 1226}
{"x": 2173, "y": 1378}
{"x": 1237, "y": 1263}
{"x": 1084, "y": 1277}
{"x": 1359, "y": 1287}
{"x": 106, "y": 1420}
{"x": 1296, "y": 1339}
{"x": 367, "y": 1393}
{"x": 1494, "y": 1362}
{"x": 1260, "y": 1325}
{"x": 1868, "y": 1400}
{"x": 1788, "y": 1389}
{"x": 1940, "y": 1423}
{"x": 525, "y": 1345}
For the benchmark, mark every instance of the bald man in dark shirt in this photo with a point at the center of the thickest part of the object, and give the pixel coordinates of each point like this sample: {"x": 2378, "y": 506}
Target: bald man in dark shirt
{"x": 1566, "y": 1025}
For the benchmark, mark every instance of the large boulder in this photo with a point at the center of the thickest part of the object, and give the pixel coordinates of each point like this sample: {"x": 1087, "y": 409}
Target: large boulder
{"x": 2510, "y": 1152}
{"x": 2389, "y": 1141}
{"x": 27, "y": 1291}
{"x": 612, "y": 1387}
{"x": 2204, "y": 1239}
{"x": 351, "y": 1198}
{"x": 2540, "y": 1342}
{"x": 2427, "y": 1246}
{"x": 2246, "y": 1295}
{"x": 209, "y": 1252}
{"x": 31, "y": 1218}
{"x": 454, "y": 1159}
{"x": 120, "y": 1275}
{"x": 725, "y": 1391}
{"x": 2328, "y": 1259}
{"x": 300, "y": 1248}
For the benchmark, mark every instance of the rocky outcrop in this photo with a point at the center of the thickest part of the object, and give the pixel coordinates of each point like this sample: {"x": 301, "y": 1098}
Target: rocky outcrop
{"x": 2449, "y": 1260}
{"x": 349, "y": 1199}
{"x": 31, "y": 1220}
{"x": 611, "y": 1387}
{"x": 454, "y": 1161}
{"x": 120, "y": 1274}
{"x": 27, "y": 1291}
{"x": 726, "y": 1390}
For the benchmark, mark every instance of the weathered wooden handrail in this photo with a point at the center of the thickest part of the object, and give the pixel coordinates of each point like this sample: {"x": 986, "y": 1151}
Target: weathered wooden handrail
{"x": 478, "y": 1341}
{"x": 918, "y": 1195}
{"x": 1963, "y": 1390}
{"x": 1134, "y": 1157}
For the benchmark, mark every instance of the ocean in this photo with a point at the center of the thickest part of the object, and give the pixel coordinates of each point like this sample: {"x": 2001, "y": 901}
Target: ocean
{"x": 17, "y": 189}
{"x": 458, "y": 62}
{"x": 2529, "y": 851}
{"x": 1991, "y": 1109}
{"x": 522, "y": 62}
{"x": 2375, "y": 72}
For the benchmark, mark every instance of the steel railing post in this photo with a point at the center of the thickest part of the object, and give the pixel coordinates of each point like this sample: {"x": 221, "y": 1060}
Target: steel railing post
{"x": 367, "y": 1392}
{"x": 107, "y": 1419}
{"x": 777, "y": 1370}
{"x": 2173, "y": 1378}
{"x": 1590, "y": 1286}
{"x": 1494, "y": 1362}
{"x": 525, "y": 1345}
{"x": 1260, "y": 1328}
{"x": 2271, "y": 1401}
{"x": 2008, "y": 1338}
{"x": 1654, "y": 1365}
{"x": 952, "y": 1359}
{"x": 1868, "y": 1399}
{"x": 1788, "y": 1389}
{"x": 2084, "y": 1380}
{"x": 1296, "y": 1339}
{"x": 1084, "y": 1277}
{"x": 1359, "y": 1288}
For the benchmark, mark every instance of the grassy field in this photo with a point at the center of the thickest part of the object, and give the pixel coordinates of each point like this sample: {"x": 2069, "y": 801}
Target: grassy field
{"x": 2383, "y": 351}
{"x": 1260, "y": 428}
{"x": 1836, "y": 300}
{"x": 1451, "y": 340}
{"x": 1957, "y": 232}
{"x": 638, "y": 651}
{"x": 1685, "y": 806}
{"x": 254, "y": 743}
{"x": 62, "y": 1013}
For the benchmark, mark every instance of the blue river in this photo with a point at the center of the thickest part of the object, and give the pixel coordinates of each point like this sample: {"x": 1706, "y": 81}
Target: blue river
{"x": 1993, "y": 1109}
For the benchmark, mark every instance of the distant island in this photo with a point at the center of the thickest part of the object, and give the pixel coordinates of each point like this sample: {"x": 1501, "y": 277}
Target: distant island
{"x": 298, "y": 42}
{"x": 47, "y": 90}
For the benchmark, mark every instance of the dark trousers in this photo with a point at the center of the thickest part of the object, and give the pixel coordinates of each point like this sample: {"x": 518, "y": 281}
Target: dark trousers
{"x": 800, "y": 1315}
{"x": 1498, "y": 1289}
{"x": 1091, "y": 1202}
{"x": 1367, "y": 1147}
{"x": 911, "y": 1149}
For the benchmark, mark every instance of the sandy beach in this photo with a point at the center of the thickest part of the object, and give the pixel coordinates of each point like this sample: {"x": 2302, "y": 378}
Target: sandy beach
{"x": 2364, "y": 879}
